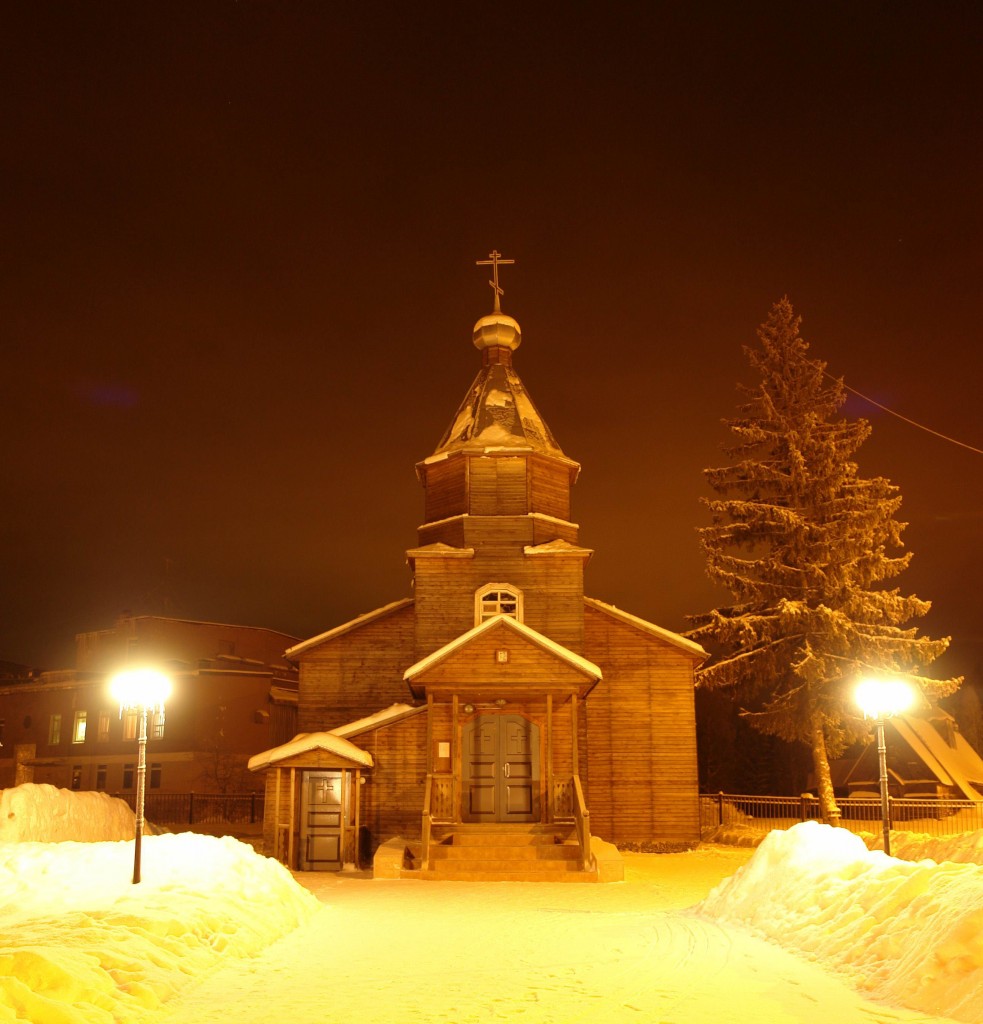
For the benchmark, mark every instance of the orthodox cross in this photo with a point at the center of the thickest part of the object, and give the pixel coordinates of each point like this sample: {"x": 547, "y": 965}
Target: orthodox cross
{"x": 494, "y": 259}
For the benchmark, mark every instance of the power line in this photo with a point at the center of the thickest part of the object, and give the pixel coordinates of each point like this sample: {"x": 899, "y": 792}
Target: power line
{"x": 920, "y": 426}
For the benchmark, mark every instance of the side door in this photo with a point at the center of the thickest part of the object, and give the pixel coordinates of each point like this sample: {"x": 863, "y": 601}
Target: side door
{"x": 322, "y": 815}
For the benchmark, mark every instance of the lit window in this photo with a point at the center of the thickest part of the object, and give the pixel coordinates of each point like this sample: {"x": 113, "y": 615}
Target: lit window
{"x": 101, "y": 772}
{"x": 156, "y": 730}
{"x": 497, "y": 599}
{"x": 130, "y": 717}
{"x": 155, "y": 775}
{"x": 78, "y": 732}
{"x": 103, "y": 734}
{"x": 128, "y": 776}
{"x": 54, "y": 730}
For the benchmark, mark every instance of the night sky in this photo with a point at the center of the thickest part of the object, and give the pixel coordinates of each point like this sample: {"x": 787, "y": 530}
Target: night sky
{"x": 238, "y": 283}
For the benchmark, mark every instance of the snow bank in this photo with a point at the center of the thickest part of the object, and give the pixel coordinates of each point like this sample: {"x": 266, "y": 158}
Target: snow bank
{"x": 43, "y": 814}
{"x": 909, "y": 933}
{"x": 82, "y": 945}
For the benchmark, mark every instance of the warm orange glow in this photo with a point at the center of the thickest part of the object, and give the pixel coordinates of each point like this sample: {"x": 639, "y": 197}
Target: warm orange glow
{"x": 882, "y": 698}
{"x": 140, "y": 688}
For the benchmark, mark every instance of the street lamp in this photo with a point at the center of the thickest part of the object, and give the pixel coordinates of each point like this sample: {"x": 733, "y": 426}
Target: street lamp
{"x": 144, "y": 690}
{"x": 880, "y": 699}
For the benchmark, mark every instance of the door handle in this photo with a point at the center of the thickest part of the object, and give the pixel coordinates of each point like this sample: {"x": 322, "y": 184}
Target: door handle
{"x": 505, "y": 770}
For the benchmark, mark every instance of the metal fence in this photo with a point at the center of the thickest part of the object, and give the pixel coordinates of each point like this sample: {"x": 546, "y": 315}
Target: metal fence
{"x": 199, "y": 808}
{"x": 935, "y": 817}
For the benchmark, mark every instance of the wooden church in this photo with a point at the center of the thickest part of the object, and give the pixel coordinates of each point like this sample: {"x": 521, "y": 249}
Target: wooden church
{"x": 498, "y": 723}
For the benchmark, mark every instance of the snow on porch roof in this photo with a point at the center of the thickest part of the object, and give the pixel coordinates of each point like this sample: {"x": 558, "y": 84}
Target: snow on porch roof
{"x": 588, "y": 668}
{"x": 689, "y": 646}
{"x": 345, "y": 627}
{"x": 308, "y": 742}
{"x": 394, "y": 713}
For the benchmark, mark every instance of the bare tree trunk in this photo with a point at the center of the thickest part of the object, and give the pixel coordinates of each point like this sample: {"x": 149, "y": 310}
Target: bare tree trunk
{"x": 828, "y": 807}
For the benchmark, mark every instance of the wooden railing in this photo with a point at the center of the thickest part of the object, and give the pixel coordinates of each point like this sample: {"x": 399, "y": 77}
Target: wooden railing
{"x": 581, "y": 817}
{"x": 425, "y": 825}
{"x": 569, "y": 806}
{"x": 438, "y": 808}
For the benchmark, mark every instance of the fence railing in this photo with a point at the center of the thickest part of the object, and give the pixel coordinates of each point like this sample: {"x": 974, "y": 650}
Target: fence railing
{"x": 931, "y": 816}
{"x": 199, "y": 808}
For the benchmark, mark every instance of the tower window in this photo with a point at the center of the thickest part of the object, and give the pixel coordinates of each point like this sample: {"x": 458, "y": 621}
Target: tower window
{"x": 497, "y": 599}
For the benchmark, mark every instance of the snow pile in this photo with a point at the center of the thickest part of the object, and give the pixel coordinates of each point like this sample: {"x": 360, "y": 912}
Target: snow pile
{"x": 82, "y": 945}
{"x": 966, "y": 848}
{"x": 41, "y": 813}
{"x": 909, "y": 933}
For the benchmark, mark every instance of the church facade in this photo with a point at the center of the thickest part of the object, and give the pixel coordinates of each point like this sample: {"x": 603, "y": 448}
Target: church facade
{"x": 498, "y": 699}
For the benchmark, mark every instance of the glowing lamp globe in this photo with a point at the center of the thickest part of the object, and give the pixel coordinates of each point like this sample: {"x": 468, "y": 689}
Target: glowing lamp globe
{"x": 140, "y": 688}
{"x": 882, "y": 698}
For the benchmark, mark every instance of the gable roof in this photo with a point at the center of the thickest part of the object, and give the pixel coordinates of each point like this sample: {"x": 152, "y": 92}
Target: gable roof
{"x": 690, "y": 647}
{"x": 576, "y": 661}
{"x": 308, "y": 742}
{"x": 356, "y": 623}
{"x": 959, "y": 765}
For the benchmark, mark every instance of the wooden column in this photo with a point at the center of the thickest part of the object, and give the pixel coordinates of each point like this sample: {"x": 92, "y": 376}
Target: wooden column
{"x": 550, "y": 810}
{"x": 575, "y": 753}
{"x": 293, "y": 818}
{"x": 455, "y": 761}
{"x": 276, "y": 815}
{"x": 357, "y": 798}
{"x": 429, "y": 733}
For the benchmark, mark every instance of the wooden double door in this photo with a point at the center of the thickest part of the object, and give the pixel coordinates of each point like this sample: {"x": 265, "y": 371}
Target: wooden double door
{"x": 500, "y": 769}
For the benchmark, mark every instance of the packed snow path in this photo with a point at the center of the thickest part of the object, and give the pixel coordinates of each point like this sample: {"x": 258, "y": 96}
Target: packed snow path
{"x": 429, "y": 953}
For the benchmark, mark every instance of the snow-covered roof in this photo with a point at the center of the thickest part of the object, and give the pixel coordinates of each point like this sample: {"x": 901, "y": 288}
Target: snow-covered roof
{"x": 394, "y": 713}
{"x": 689, "y": 646}
{"x": 308, "y": 742}
{"x": 557, "y": 547}
{"x": 958, "y": 765}
{"x": 346, "y": 627}
{"x": 498, "y": 414}
{"x": 588, "y": 668}
{"x": 439, "y": 549}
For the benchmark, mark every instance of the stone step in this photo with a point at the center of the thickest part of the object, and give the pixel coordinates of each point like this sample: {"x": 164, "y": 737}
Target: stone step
{"x": 479, "y": 875}
{"x": 479, "y": 853}
{"x": 503, "y": 864}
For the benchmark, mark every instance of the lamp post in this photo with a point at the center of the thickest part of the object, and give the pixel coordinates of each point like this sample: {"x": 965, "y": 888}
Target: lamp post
{"x": 881, "y": 699}
{"x": 144, "y": 690}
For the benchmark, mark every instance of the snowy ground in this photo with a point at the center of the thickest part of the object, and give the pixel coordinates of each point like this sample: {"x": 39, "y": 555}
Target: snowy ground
{"x": 809, "y": 928}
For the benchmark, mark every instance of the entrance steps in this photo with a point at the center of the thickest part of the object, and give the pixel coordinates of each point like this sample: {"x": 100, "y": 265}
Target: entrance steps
{"x": 503, "y": 853}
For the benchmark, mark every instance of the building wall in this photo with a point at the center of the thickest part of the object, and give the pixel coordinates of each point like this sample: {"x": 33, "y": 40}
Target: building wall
{"x": 215, "y": 719}
{"x": 356, "y": 673}
{"x": 641, "y": 737}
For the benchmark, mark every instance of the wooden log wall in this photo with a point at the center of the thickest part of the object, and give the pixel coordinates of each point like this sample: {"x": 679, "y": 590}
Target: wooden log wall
{"x": 357, "y": 673}
{"x": 551, "y": 586}
{"x": 392, "y": 796}
{"x": 641, "y": 736}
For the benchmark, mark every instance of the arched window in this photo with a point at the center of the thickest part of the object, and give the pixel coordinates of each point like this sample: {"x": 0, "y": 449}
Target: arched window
{"x": 497, "y": 599}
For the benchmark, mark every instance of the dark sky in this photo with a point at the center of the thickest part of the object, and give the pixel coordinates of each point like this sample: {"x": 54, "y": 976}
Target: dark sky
{"x": 238, "y": 283}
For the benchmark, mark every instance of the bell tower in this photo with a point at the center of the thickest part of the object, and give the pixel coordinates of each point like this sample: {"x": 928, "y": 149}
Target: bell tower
{"x": 497, "y": 507}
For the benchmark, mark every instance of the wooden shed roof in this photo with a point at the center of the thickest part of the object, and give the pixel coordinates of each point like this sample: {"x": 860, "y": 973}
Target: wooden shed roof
{"x": 340, "y": 749}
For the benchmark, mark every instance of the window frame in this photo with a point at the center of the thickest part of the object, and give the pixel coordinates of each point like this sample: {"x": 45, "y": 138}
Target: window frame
{"x": 485, "y": 609}
{"x": 79, "y": 726}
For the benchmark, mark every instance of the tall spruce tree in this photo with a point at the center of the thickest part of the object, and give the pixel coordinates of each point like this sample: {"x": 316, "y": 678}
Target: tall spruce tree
{"x": 806, "y": 546}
